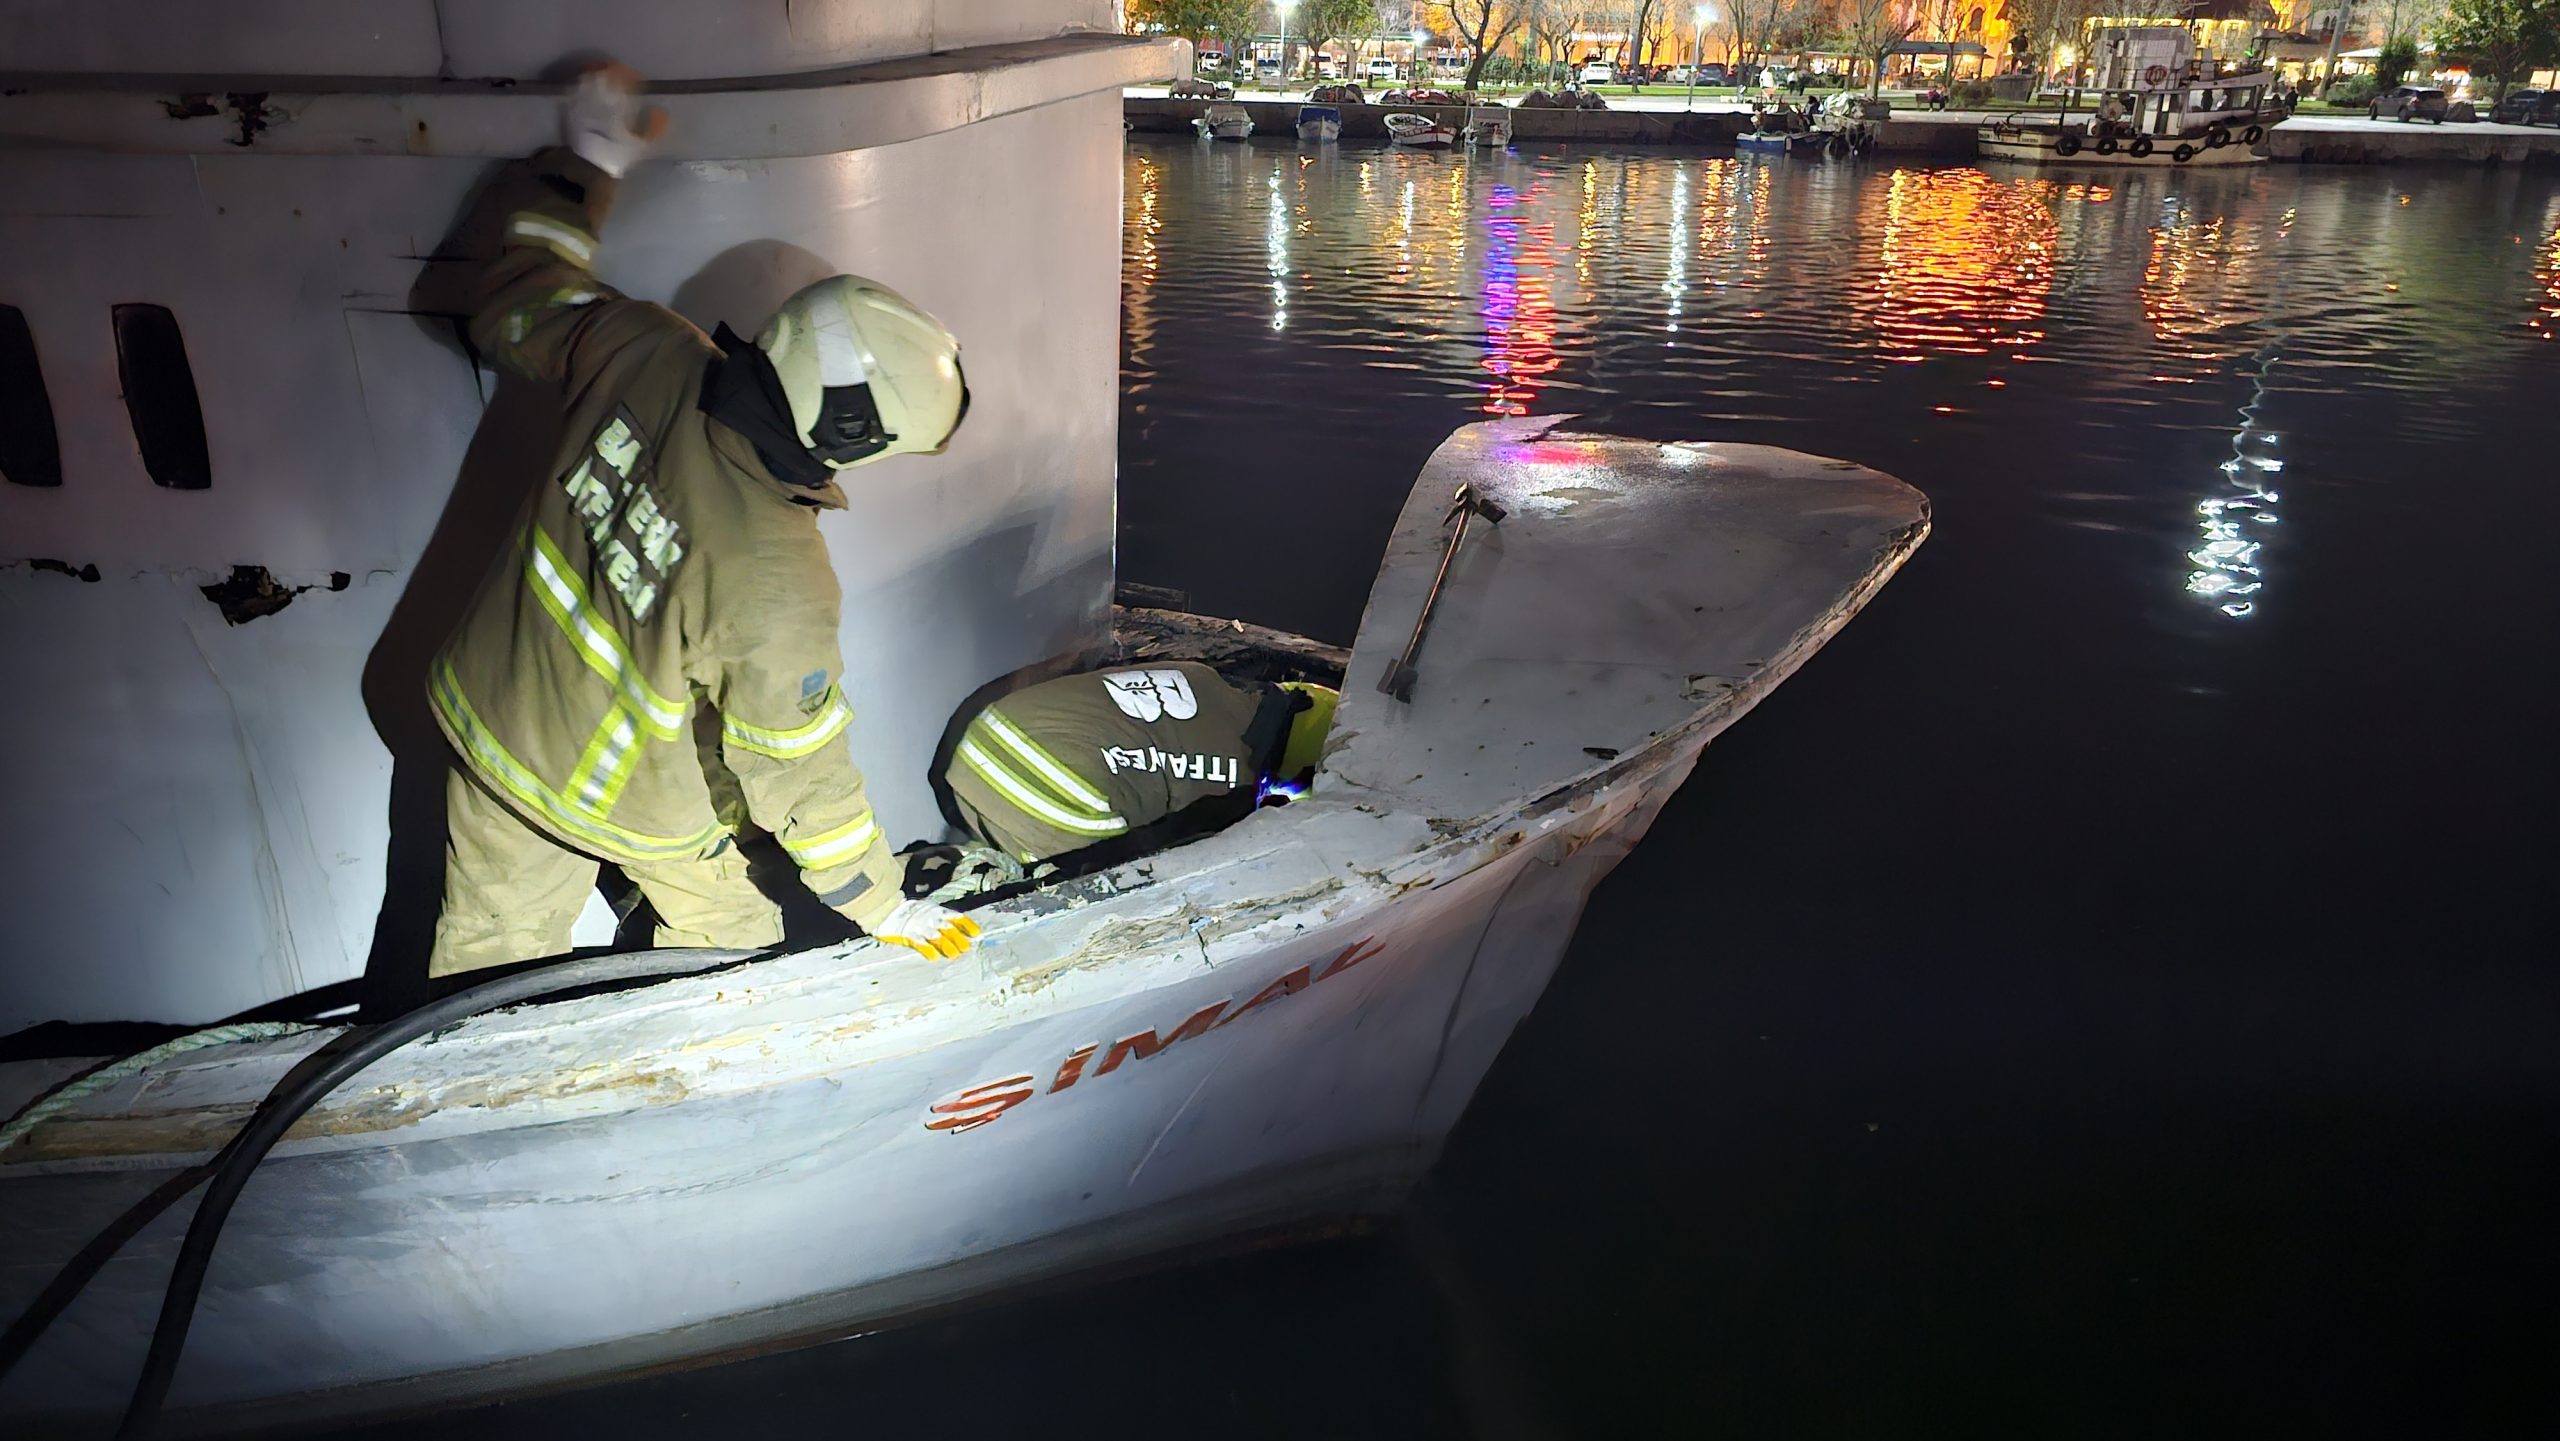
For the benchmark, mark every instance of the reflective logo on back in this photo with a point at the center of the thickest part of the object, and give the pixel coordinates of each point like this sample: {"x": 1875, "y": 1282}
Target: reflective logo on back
{"x": 1150, "y": 695}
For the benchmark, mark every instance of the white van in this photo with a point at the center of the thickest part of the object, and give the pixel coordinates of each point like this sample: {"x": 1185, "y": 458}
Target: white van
{"x": 1385, "y": 71}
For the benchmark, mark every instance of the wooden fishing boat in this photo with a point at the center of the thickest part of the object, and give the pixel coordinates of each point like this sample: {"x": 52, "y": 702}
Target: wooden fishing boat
{"x": 2161, "y": 111}
{"x": 1405, "y": 128}
{"x": 1274, "y": 1024}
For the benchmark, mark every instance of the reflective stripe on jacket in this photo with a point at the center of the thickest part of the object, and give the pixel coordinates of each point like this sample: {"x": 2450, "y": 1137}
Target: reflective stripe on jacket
{"x": 1082, "y": 759}
{"x": 658, "y": 579}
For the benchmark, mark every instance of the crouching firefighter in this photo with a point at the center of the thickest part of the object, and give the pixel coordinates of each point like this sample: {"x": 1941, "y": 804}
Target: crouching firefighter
{"x": 669, "y": 569}
{"x": 1090, "y": 769}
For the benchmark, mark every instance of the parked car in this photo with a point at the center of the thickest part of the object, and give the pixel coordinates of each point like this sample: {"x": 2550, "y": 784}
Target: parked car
{"x": 1266, "y": 71}
{"x": 1211, "y": 62}
{"x": 1384, "y": 71}
{"x": 2409, "y": 102}
{"x": 1598, "y": 72}
{"x": 2528, "y": 107}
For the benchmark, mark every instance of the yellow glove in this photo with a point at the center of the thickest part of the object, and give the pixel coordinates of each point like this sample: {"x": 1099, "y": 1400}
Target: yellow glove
{"x": 936, "y": 932}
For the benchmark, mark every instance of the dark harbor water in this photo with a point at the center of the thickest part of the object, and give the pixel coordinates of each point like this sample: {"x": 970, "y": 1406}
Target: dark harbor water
{"x": 2109, "y": 993}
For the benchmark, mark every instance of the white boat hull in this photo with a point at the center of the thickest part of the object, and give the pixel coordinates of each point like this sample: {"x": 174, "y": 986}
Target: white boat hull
{"x": 2035, "y": 148}
{"x": 1319, "y": 130}
{"x": 527, "y": 1256}
{"x": 1277, "y": 1022}
{"x": 1223, "y": 122}
{"x": 1419, "y": 131}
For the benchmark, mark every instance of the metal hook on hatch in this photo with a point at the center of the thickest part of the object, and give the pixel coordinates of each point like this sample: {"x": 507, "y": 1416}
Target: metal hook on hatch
{"x": 1398, "y": 681}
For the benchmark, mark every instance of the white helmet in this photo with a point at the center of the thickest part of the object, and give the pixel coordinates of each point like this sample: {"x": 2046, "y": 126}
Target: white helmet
{"x": 867, "y": 372}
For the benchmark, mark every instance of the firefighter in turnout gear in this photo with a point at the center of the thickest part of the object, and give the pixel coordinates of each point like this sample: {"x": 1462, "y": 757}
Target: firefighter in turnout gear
{"x": 1129, "y": 760}
{"x": 667, "y": 611}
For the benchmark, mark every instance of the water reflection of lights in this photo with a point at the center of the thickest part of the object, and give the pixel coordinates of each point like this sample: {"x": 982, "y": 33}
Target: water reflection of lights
{"x": 1675, "y": 284}
{"x": 1145, "y": 223}
{"x": 1149, "y": 223}
{"x": 1519, "y": 307}
{"x": 2226, "y": 562}
{"x": 1732, "y": 231}
{"x": 2225, "y": 571}
{"x": 1275, "y": 255}
{"x": 1404, "y": 234}
{"x": 2199, "y": 286}
{"x": 1586, "y": 222}
{"x": 1967, "y": 263}
{"x": 2546, "y": 276}
{"x": 1453, "y": 232}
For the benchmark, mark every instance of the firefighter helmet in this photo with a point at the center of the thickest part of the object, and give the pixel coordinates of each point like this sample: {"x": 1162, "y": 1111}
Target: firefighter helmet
{"x": 868, "y": 373}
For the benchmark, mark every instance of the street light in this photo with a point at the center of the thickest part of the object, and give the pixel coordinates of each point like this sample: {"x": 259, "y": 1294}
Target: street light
{"x": 1285, "y": 6}
{"x": 1705, "y": 13}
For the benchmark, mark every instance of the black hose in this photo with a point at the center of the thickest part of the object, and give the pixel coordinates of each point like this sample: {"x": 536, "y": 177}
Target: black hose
{"x": 297, "y": 1093}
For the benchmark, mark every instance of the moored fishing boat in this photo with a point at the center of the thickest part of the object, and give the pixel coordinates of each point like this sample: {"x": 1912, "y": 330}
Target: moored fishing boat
{"x": 1779, "y": 130}
{"x": 1319, "y": 123}
{"x": 1223, "y": 122}
{"x": 2160, "y": 111}
{"x": 1488, "y": 127}
{"x": 1274, "y": 1023}
{"x": 1405, "y": 128}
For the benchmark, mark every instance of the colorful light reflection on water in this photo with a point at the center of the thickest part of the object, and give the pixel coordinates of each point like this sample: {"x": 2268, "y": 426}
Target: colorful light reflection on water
{"x": 2097, "y": 344}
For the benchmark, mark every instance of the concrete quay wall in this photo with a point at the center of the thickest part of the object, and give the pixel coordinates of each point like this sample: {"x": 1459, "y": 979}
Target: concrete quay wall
{"x": 2334, "y": 140}
{"x": 2318, "y": 140}
{"x": 1368, "y": 122}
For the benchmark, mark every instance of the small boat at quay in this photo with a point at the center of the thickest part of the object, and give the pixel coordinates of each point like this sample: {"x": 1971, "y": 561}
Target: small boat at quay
{"x": 2161, "y": 111}
{"x": 1262, "y": 1030}
{"x": 1488, "y": 127}
{"x": 1405, "y": 128}
{"x": 1224, "y": 122}
{"x": 1780, "y": 142}
{"x": 1319, "y": 123}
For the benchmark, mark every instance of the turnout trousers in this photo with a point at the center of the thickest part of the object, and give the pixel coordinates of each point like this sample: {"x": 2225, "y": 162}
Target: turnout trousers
{"x": 512, "y": 893}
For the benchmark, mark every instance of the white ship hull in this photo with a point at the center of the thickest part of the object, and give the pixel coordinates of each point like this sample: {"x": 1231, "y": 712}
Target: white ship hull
{"x": 2039, "y": 148}
{"x": 1279, "y": 1022}
{"x": 1224, "y": 122}
{"x": 1418, "y": 130}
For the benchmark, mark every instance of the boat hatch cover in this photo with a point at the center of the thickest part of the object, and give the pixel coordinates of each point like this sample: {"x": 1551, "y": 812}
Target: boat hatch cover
{"x": 1631, "y": 589}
